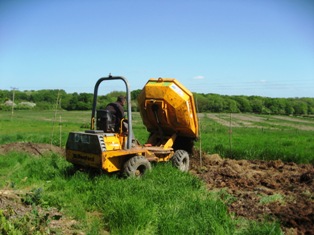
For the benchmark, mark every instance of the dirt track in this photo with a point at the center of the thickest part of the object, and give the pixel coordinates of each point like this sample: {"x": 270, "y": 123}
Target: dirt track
{"x": 263, "y": 189}
{"x": 254, "y": 189}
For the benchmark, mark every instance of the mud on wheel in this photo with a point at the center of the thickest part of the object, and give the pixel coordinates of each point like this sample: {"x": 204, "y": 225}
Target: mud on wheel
{"x": 181, "y": 160}
{"x": 136, "y": 166}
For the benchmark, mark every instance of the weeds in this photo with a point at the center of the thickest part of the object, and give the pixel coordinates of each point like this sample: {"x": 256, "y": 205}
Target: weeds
{"x": 31, "y": 222}
{"x": 253, "y": 227}
{"x": 6, "y": 226}
{"x": 33, "y": 197}
{"x": 272, "y": 198}
{"x": 163, "y": 201}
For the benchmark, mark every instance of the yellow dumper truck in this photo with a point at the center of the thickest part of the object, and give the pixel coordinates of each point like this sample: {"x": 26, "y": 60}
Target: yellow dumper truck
{"x": 168, "y": 111}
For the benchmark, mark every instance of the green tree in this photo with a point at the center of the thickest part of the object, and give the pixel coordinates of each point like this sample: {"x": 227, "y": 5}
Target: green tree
{"x": 216, "y": 103}
{"x": 84, "y": 101}
{"x": 289, "y": 110}
{"x": 135, "y": 94}
{"x": 310, "y": 105}
{"x": 73, "y": 101}
{"x": 5, "y": 95}
{"x": 230, "y": 105}
{"x": 243, "y": 104}
{"x": 21, "y": 96}
{"x": 300, "y": 107}
{"x": 202, "y": 103}
{"x": 65, "y": 101}
{"x": 257, "y": 105}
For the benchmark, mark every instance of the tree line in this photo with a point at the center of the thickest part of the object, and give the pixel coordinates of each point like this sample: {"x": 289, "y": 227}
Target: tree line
{"x": 52, "y": 99}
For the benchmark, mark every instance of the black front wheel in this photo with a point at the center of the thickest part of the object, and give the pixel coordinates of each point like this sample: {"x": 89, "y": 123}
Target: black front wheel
{"x": 136, "y": 166}
{"x": 181, "y": 160}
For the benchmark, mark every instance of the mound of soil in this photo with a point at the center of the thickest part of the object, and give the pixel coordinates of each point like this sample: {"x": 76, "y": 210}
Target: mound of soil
{"x": 31, "y": 148}
{"x": 14, "y": 209}
{"x": 263, "y": 189}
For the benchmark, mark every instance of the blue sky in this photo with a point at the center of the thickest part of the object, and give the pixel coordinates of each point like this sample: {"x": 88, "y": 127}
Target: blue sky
{"x": 228, "y": 47}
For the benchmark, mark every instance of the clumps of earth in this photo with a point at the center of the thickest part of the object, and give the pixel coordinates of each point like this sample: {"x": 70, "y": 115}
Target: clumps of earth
{"x": 258, "y": 189}
{"x": 15, "y": 204}
{"x": 253, "y": 189}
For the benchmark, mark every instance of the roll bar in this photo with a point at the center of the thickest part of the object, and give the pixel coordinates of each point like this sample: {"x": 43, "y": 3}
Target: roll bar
{"x": 128, "y": 99}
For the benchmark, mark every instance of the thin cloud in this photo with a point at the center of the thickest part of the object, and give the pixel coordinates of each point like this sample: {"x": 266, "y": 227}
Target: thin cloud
{"x": 258, "y": 82}
{"x": 200, "y": 77}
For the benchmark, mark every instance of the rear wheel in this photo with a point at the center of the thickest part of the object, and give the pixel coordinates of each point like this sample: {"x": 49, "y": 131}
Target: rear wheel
{"x": 136, "y": 166}
{"x": 181, "y": 160}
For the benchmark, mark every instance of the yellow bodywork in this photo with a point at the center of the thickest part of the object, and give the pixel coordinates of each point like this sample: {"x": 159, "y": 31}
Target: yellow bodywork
{"x": 168, "y": 111}
{"x": 112, "y": 142}
{"x": 114, "y": 160}
{"x": 80, "y": 158}
{"x": 167, "y": 105}
{"x": 106, "y": 153}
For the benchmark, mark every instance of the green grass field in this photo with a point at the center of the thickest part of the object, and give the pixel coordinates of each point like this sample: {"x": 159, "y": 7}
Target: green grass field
{"x": 262, "y": 137}
{"x": 238, "y": 136}
{"x": 41, "y": 126}
{"x": 164, "y": 201}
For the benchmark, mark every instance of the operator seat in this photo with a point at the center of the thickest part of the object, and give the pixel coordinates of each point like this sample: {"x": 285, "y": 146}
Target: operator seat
{"x": 106, "y": 121}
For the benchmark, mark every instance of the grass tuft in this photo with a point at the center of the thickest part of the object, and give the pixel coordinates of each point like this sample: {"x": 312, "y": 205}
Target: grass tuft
{"x": 163, "y": 201}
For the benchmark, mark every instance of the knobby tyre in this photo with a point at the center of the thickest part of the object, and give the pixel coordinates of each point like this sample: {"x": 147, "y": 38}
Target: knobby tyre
{"x": 136, "y": 166}
{"x": 181, "y": 160}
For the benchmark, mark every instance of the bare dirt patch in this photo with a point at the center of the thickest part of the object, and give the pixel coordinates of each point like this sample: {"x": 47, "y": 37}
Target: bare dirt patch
{"x": 253, "y": 121}
{"x": 291, "y": 119}
{"x": 263, "y": 189}
{"x": 235, "y": 120}
{"x": 31, "y": 148}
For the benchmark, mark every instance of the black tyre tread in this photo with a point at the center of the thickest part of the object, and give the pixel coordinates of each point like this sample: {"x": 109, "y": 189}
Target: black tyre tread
{"x": 181, "y": 160}
{"x": 134, "y": 164}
